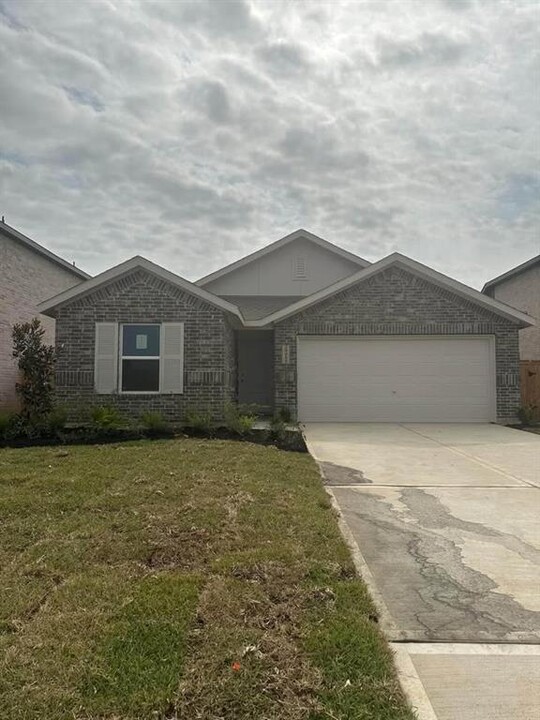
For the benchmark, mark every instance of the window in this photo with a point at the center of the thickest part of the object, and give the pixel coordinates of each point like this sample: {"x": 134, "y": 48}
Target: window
{"x": 140, "y": 358}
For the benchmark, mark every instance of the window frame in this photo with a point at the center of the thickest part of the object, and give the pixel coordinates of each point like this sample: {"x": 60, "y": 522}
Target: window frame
{"x": 122, "y": 357}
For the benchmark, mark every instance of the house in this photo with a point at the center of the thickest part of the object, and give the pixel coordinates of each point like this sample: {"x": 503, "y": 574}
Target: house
{"x": 301, "y": 325}
{"x": 29, "y": 273}
{"x": 520, "y": 288}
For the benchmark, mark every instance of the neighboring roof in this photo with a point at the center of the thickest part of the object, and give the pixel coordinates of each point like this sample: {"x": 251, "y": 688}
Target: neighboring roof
{"x": 32, "y": 245}
{"x": 105, "y": 278}
{"x": 255, "y": 307}
{"x": 396, "y": 259}
{"x": 279, "y": 244}
{"x": 527, "y": 265}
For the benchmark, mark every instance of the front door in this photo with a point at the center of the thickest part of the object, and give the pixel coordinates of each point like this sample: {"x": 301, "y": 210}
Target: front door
{"x": 255, "y": 354}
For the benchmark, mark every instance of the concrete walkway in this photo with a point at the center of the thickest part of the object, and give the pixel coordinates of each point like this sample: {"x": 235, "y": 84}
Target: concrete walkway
{"x": 445, "y": 521}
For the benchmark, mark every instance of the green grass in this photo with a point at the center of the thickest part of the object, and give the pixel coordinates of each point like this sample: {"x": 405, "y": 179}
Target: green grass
{"x": 133, "y": 577}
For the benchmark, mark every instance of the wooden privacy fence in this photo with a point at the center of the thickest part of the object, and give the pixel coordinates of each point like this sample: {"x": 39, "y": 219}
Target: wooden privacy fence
{"x": 530, "y": 382}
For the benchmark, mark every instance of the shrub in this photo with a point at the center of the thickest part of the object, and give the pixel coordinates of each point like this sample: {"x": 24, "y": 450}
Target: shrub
{"x": 278, "y": 428}
{"x": 529, "y": 414}
{"x": 200, "y": 420}
{"x": 15, "y": 426}
{"x": 154, "y": 423}
{"x": 7, "y": 424}
{"x": 285, "y": 415}
{"x": 56, "y": 420}
{"x": 237, "y": 420}
{"x": 106, "y": 417}
{"x": 35, "y": 360}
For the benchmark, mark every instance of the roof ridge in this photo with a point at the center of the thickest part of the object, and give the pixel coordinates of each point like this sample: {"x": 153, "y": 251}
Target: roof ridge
{"x": 276, "y": 245}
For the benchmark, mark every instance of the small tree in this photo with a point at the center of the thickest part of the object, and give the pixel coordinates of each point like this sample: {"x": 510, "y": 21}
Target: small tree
{"x": 36, "y": 363}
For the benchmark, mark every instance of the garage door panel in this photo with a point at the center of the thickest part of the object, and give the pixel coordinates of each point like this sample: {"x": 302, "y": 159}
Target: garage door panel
{"x": 431, "y": 379}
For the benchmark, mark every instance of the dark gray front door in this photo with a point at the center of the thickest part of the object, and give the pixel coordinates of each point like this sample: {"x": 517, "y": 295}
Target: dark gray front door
{"x": 255, "y": 353}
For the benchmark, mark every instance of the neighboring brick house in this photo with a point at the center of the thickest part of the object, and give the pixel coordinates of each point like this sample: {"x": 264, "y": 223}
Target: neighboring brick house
{"x": 301, "y": 325}
{"x": 29, "y": 273}
{"x": 520, "y": 288}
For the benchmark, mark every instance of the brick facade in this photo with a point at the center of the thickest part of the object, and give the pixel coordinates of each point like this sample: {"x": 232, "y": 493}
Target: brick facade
{"x": 522, "y": 291}
{"x": 396, "y": 302}
{"x": 26, "y": 279}
{"x": 140, "y": 297}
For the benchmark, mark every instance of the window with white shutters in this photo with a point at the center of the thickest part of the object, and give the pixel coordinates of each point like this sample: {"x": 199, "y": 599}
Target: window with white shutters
{"x": 139, "y": 358}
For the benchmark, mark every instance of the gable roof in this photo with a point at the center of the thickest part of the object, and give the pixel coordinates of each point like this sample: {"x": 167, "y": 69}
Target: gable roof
{"x": 394, "y": 260}
{"x": 255, "y": 307}
{"x": 36, "y": 247}
{"x": 527, "y": 265}
{"x": 105, "y": 278}
{"x": 398, "y": 260}
{"x": 276, "y": 246}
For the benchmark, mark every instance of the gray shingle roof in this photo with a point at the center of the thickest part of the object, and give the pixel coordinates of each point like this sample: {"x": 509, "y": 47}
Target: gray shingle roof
{"x": 255, "y": 307}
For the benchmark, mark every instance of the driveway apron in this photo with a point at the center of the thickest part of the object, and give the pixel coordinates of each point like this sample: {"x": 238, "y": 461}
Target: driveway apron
{"x": 447, "y": 521}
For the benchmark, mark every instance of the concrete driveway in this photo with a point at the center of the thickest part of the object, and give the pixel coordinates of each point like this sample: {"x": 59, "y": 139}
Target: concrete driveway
{"x": 447, "y": 521}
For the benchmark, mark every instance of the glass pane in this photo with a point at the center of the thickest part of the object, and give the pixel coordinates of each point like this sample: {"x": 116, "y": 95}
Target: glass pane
{"x": 141, "y": 340}
{"x": 140, "y": 375}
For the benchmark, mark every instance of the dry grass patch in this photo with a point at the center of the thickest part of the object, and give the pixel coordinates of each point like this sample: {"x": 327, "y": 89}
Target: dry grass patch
{"x": 183, "y": 579}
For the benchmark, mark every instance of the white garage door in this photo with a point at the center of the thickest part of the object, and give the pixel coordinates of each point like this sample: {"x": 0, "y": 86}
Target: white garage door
{"x": 421, "y": 379}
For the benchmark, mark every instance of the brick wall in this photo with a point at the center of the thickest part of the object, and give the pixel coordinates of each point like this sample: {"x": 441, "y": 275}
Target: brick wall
{"x": 140, "y": 297}
{"x": 396, "y": 302}
{"x": 523, "y": 292}
{"x": 26, "y": 279}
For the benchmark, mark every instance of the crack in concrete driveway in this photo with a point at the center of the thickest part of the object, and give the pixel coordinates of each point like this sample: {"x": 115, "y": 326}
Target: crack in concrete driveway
{"x": 414, "y": 548}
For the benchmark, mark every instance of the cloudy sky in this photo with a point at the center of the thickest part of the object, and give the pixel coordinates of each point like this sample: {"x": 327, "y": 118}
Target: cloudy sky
{"x": 196, "y": 132}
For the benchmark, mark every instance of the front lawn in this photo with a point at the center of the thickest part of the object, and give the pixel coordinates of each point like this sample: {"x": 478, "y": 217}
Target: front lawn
{"x": 183, "y": 579}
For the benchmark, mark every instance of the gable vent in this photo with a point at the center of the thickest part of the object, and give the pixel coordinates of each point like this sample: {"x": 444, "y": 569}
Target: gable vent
{"x": 300, "y": 268}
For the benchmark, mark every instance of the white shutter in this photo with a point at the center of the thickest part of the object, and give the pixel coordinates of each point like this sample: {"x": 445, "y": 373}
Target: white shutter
{"x": 172, "y": 358}
{"x": 106, "y": 358}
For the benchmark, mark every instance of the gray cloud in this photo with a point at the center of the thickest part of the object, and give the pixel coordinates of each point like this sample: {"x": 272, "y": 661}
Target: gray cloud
{"x": 213, "y": 99}
{"x": 283, "y": 58}
{"x": 231, "y": 19}
{"x": 428, "y": 49}
{"x": 195, "y": 132}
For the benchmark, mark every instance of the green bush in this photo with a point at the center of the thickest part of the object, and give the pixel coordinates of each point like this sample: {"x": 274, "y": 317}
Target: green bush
{"x": 35, "y": 360}
{"x": 154, "y": 423}
{"x": 199, "y": 420}
{"x": 7, "y": 424}
{"x": 237, "y": 420}
{"x": 56, "y": 420}
{"x": 107, "y": 417}
{"x": 278, "y": 428}
{"x": 15, "y": 426}
{"x": 529, "y": 414}
{"x": 285, "y": 415}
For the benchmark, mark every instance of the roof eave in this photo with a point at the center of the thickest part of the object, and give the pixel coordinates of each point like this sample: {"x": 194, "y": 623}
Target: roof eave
{"x": 396, "y": 259}
{"x": 49, "y": 307}
{"x": 40, "y": 250}
{"x": 523, "y": 267}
